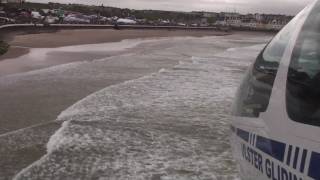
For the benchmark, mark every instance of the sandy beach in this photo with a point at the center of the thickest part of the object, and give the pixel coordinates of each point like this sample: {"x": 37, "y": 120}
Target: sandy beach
{"x": 45, "y": 53}
{"x": 16, "y": 60}
{"x": 21, "y": 43}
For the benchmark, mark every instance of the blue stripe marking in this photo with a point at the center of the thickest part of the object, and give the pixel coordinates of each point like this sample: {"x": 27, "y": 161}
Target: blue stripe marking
{"x": 303, "y": 160}
{"x": 243, "y": 134}
{"x": 277, "y": 150}
{"x": 289, "y": 155}
{"x": 273, "y": 148}
{"x": 295, "y": 160}
{"x": 314, "y": 167}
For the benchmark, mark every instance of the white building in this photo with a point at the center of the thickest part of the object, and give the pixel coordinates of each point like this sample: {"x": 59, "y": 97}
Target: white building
{"x": 232, "y": 19}
{"x": 275, "y": 25}
{"x": 234, "y": 22}
{"x": 250, "y": 25}
{"x": 258, "y": 17}
{"x": 230, "y": 15}
{"x": 221, "y": 23}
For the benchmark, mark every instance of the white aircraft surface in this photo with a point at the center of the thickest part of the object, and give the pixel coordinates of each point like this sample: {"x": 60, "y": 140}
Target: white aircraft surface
{"x": 276, "y": 116}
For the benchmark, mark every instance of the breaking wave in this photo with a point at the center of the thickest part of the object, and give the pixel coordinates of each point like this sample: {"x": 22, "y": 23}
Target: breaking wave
{"x": 169, "y": 125}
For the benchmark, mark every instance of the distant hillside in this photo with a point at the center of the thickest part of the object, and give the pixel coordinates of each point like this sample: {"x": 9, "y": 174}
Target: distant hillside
{"x": 112, "y": 11}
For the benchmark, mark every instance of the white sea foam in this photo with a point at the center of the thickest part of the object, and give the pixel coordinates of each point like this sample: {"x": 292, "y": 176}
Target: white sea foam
{"x": 167, "y": 125}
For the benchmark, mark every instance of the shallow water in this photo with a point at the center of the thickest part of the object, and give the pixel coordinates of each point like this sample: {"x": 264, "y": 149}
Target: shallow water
{"x": 172, "y": 124}
{"x": 39, "y": 58}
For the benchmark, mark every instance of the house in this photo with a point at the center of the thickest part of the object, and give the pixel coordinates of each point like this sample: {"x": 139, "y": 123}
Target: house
{"x": 204, "y": 22}
{"x": 258, "y": 17}
{"x": 236, "y": 22}
{"x": 221, "y": 23}
{"x": 210, "y": 15}
{"x": 276, "y": 25}
{"x": 228, "y": 15}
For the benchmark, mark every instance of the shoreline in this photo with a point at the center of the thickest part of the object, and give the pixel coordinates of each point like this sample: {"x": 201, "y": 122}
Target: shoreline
{"x": 22, "y": 54}
{"x": 14, "y": 52}
{"x": 31, "y": 102}
{"x": 20, "y": 43}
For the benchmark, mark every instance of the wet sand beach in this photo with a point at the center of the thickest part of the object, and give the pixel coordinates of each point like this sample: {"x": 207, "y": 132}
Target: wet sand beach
{"x": 90, "y": 36}
{"x": 14, "y": 52}
{"x": 18, "y": 59}
{"x": 26, "y": 102}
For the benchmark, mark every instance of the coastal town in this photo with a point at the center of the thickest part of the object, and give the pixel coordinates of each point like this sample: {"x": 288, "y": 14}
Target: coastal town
{"x": 25, "y": 12}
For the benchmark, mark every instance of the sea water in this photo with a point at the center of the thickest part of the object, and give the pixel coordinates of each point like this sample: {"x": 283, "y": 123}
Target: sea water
{"x": 171, "y": 124}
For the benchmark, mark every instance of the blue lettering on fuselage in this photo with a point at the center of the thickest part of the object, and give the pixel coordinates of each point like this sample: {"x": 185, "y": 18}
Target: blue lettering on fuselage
{"x": 270, "y": 162}
{"x": 276, "y": 172}
{"x": 272, "y": 169}
{"x": 252, "y": 156}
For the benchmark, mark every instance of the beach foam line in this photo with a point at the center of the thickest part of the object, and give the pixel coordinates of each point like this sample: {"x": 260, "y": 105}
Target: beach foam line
{"x": 22, "y": 147}
{"x": 191, "y": 82}
{"x": 24, "y": 130}
{"x": 38, "y": 54}
{"x": 87, "y": 127}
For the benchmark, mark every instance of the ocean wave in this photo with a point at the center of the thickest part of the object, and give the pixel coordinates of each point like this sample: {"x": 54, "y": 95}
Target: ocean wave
{"x": 168, "y": 125}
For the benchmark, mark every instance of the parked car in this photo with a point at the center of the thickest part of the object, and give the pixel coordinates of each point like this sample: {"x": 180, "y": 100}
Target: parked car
{"x": 36, "y": 15}
{"x": 76, "y": 19}
{"x": 4, "y": 20}
{"x": 3, "y": 14}
{"x": 126, "y": 21}
{"x": 51, "y": 19}
{"x": 104, "y": 20}
{"x": 181, "y": 24}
